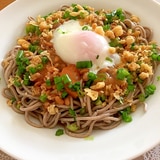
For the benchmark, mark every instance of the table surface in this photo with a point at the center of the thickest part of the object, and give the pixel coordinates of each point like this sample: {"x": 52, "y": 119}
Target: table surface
{"x": 3, "y": 156}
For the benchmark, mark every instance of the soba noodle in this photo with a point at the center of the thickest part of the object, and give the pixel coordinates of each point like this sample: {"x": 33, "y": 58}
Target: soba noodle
{"x": 80, "y": 115}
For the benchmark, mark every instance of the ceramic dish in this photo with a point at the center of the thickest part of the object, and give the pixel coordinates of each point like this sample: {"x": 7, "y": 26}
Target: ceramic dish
{"x": 127, "y": 141}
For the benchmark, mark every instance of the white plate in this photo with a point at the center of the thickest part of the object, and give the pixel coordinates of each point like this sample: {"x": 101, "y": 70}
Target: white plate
{"x": 124, "y": 142}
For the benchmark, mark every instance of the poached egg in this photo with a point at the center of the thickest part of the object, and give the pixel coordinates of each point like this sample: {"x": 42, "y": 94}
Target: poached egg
{"x": 73, "y": 44}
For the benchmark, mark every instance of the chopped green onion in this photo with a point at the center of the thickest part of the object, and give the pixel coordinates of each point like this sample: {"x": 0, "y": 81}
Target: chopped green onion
{"x": 44, "y": 59}
{"x": 100, "y": 100}
{"x": 75, "y": 86}
{"x": 32, "y": 70}
{"x": 21, "y": 62}
{"x": 85, "y": 28}
{"x": 154, "y": 56}
{"x": 17, "y": 82}
{"x": 149, "y": 90}
{"x": 26, "y": 79}
{"x": 64, "y": 94}
{"x": 126, "y": 117}
{"x": 109, "y": 59}
{"x": 13, "y": 99}
{"x": 39, "y": 67}
{"x": 58, "y": 82}
{"x": 67, "y": 15}
{"x": 92, "y": 76}
{"x": 32, "y": 48}
{"x": 32, "y": 29}
{"x": 18, "y": 106}
{"x": 43, "y": 98}
{"x": 84, "y": 64}
{"x": 141, "y": 97}
{"x": 48, "y": 82}
{"x": 80, "y": 93}
{"x": 72, "y": 113}
{"x": 56, "y": 21}
{"x": 59, "y": 132}
{"x": 131, "y": 87}
{"x": 132, "y": 46}
{"x": 106, "y": 27}
{"x": 115, "y": 15}
{"x": 122, "y": 73}
{"x": 114, "y": 43}
{"x": 65, "y": 79}
{"x": 75, "y": 8}
{"x": 158, "y": 58}
{"x": 72, "y": 127}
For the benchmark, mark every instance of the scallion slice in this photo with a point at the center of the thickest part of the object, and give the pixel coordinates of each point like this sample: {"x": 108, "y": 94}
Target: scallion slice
{"x": 84, "y": 64}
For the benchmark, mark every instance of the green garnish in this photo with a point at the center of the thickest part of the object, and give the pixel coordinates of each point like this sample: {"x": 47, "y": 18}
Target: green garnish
{"x": 72, "y": 127}
{"x": 48, "y": 82}
{"x": 39, "y": 67}
{"x": 122, "y": 73}
{"x": 44, "y": 59}
{"x": 72, "y": 112}
{"x": 32, "y": 70}
{"x": 100, "y": 100}
{"x": 109, "y": 59}
{"x": 84, "y": 64}
{"x": 75, "y": 8}
{"x": 60, "y": 82}
{"x": 92, "y": 76}
{"x": 17, "y": 82}
{"x": 26, "y": 79}
{"x": 65, "y": 79}
{"x": 64, "y": 94}
{"x": 21, "y": 62}
{"x": 13, "y": 99}
{"x": 43, "y": 98}
{"x": 75, "y": 86}
{"x": 59, "y": 132}
{"x": 106, "y": 27}
{"x": 149, "y": 90}
{"x": 32, "y": 48}
{"x": 85, "y": 28}
{"x": 30, "y": 28}
{"x": 114, "y": 43}
{"x": 141, "y": 97}
{"x": 115, "y": 15}
{"x": 126, "y": 117}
